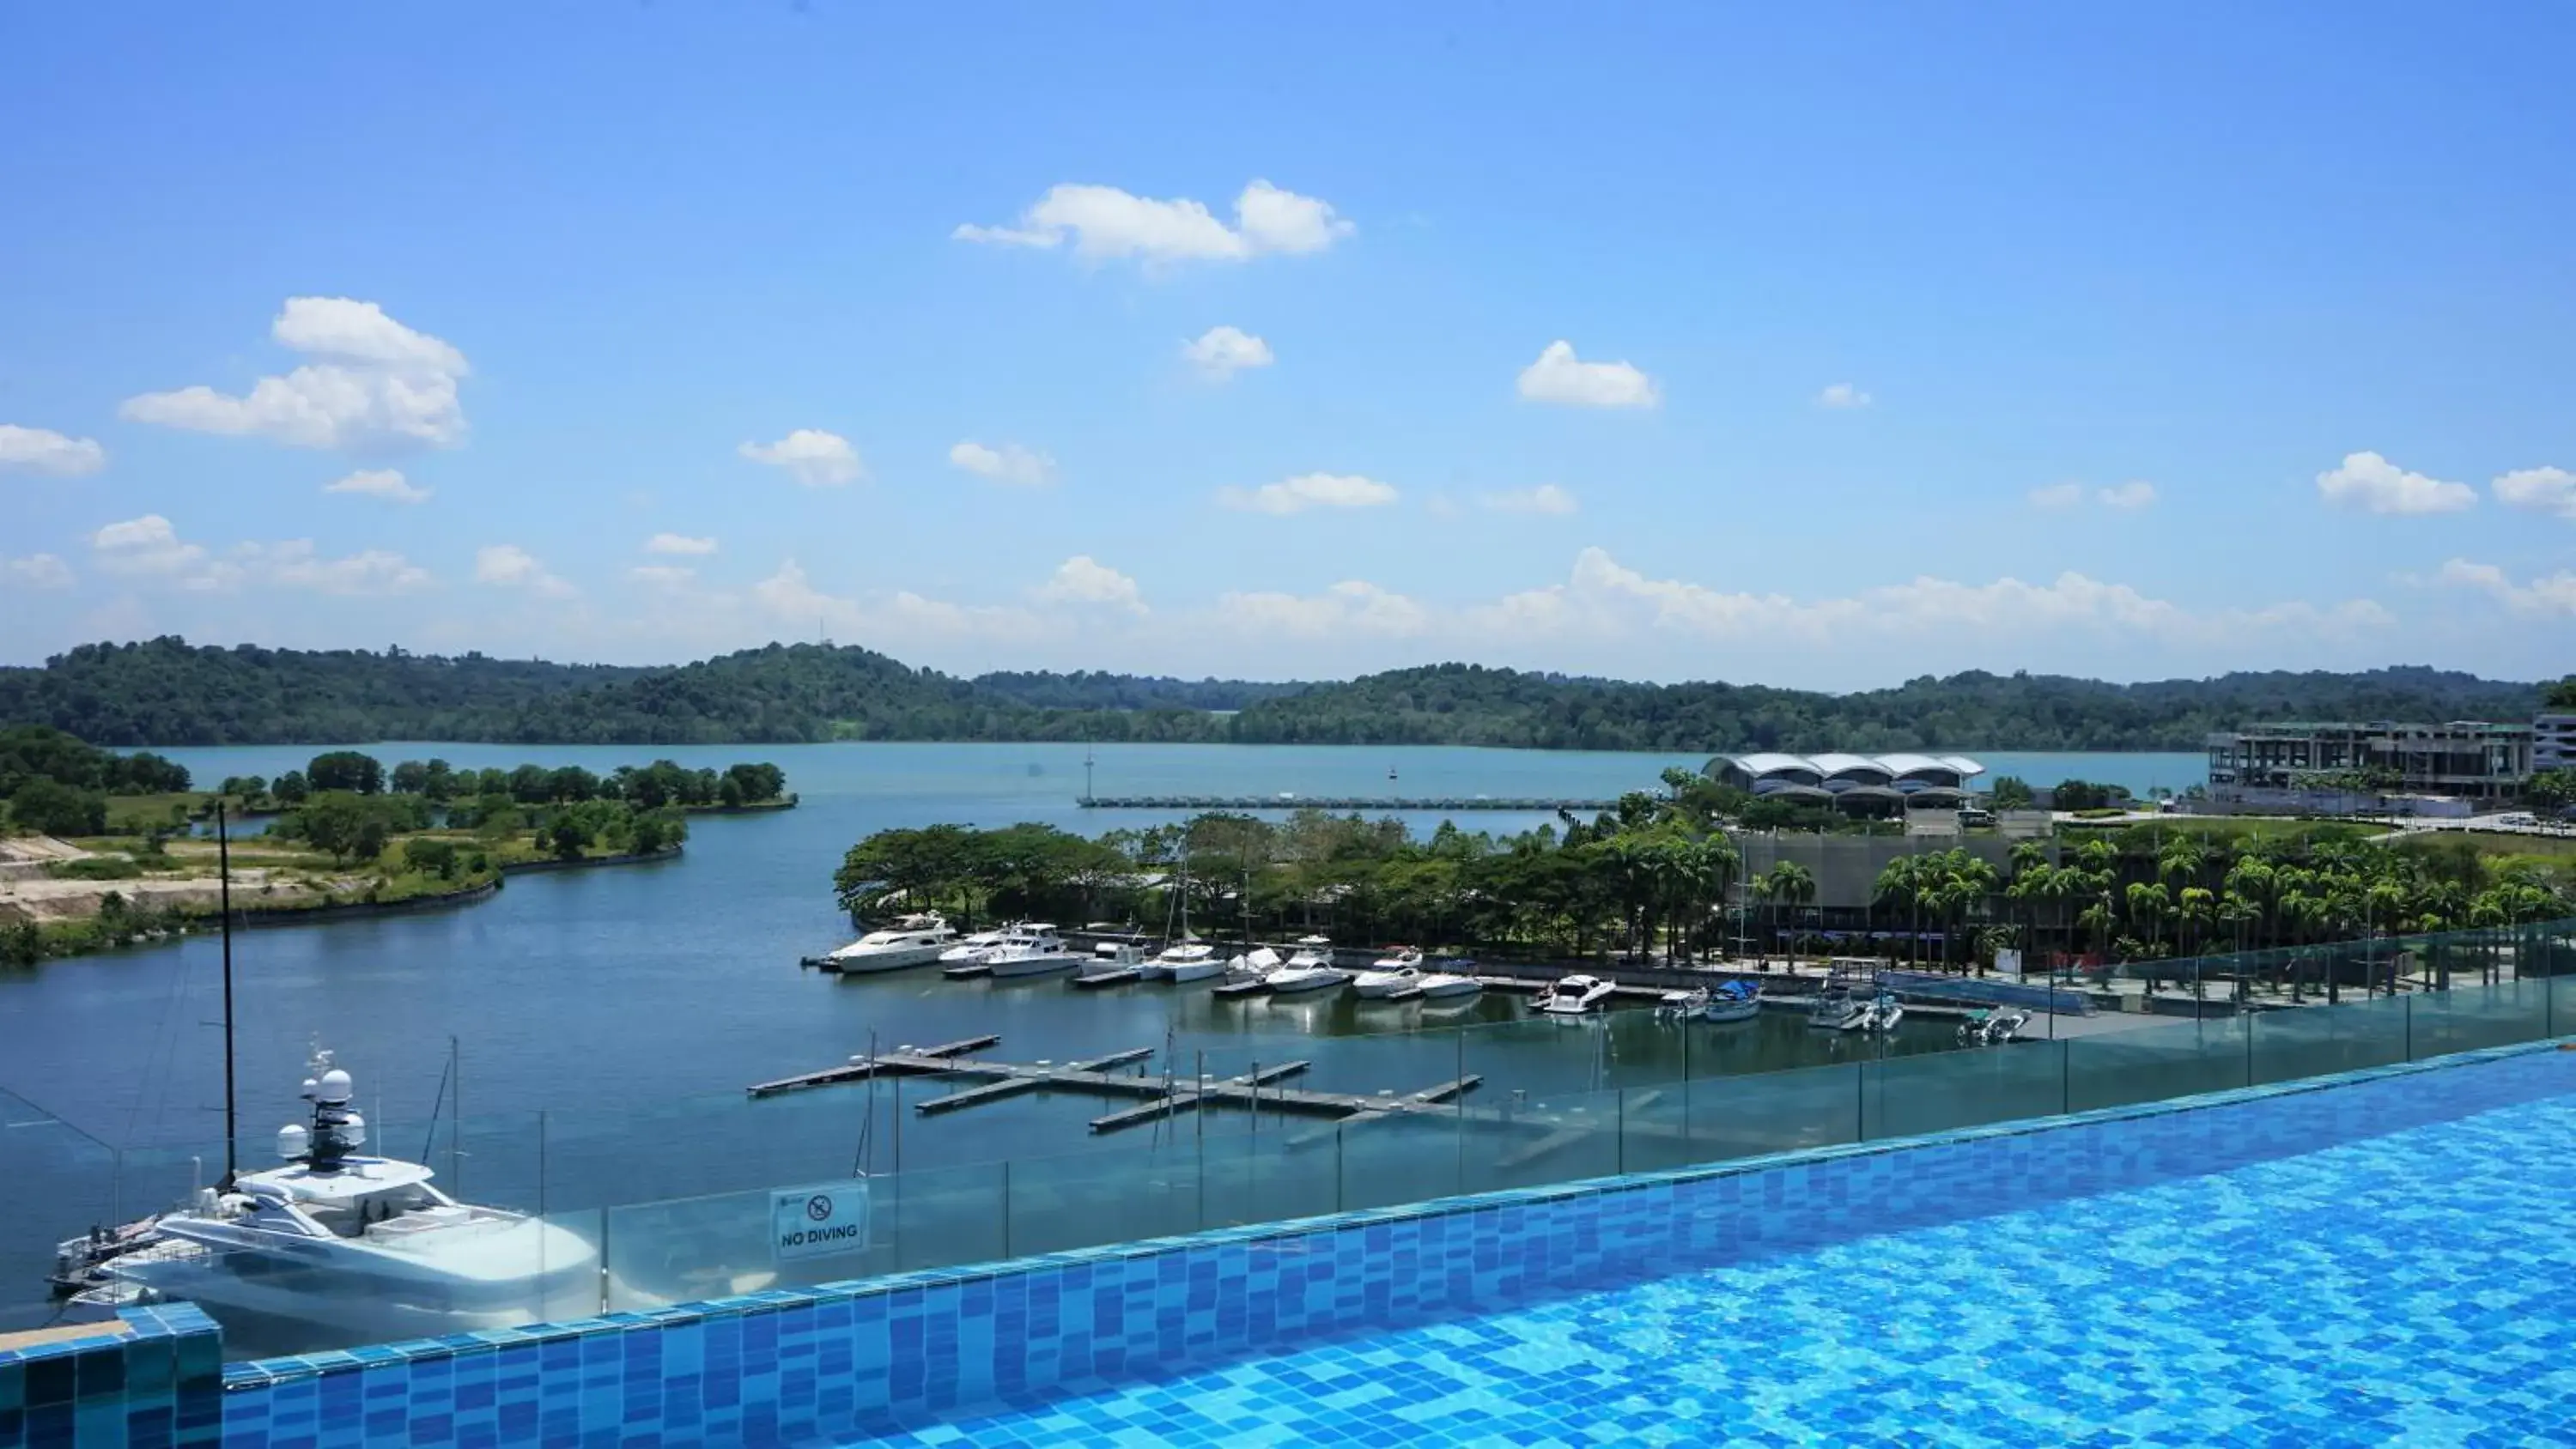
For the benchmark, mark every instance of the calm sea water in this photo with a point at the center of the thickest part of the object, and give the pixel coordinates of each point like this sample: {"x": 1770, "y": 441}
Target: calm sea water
{"x": 630, "y": 1005}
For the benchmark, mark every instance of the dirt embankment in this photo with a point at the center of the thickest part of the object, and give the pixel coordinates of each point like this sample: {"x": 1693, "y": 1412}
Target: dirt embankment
{"x": 28, "y": 894}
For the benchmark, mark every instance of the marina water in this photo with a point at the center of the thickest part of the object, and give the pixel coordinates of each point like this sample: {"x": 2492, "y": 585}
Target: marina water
{"x": 606, "y": 1020}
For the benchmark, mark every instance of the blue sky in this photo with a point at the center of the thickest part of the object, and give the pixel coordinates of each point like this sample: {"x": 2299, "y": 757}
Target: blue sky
{"x": 1895, "y": 339}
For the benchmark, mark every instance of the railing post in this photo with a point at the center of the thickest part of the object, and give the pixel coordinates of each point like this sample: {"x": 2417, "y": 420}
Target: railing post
{"x": 1006, "y": 1207}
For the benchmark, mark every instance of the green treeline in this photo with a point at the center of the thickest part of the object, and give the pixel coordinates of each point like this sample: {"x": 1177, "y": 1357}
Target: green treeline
{"x": 59, "y": 785}
{"x": 1659, "y": 878}
{"x": 166, "y": 692}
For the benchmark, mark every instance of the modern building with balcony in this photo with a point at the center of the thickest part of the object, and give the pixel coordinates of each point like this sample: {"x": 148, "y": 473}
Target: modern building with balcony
{"x": 2553, "y": 740}
{"x": 1857, "y": 784}
{"x": 2469, "y": 759}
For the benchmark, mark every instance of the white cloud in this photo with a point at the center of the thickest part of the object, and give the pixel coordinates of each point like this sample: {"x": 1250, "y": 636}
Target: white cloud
{"x": 384, "y": 483}
{"x": 150, "y": 549}
{"x": 1545, "y": 498}
{"x": 508, "y": 566}
{"x": 1350, "y": 607}
{"x": 664, "y": 574}
{"x": 1843, "y": 395}
{"x": 382, "y": 385}
{"x": 902, "y": 618}
{"x": 2127, "y": 497}
{"x": 1106, "y": 223}
{"x": 1605, "y": 599}
{"x": 36, "y": 571}
{"x": 42, "y": 450}
{"x": 2375, "y": 485}
{"x": 1082, "y": 579}
{"x": 1309, "y": 490}
{"x": 811, "y": 456}
{"x": 2550, "y": 594}
{"x": 145, "y": 547}
{"x": 1009, "y": 463}
{"x": 2544, "y": 490}
{"x": 1221, "y": 352}
{"x": 677, "y": 543}
{"x": 1558, "y": 377}
{"x": 294, "y": 564}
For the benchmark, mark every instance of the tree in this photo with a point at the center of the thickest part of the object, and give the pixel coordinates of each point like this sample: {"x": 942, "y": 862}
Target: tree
{"x": 430, "y": 857}
{"x": 532, "y": 784}
{"x": 566, "y": 836}
{"x": 291, "y": 788}
{"x": 2012, "y": 792}
{"x": 346, "y": 770}
{"x": 438, "y": 781}
{"x": 50, "y": 807}
{"x": 411, "y": 777}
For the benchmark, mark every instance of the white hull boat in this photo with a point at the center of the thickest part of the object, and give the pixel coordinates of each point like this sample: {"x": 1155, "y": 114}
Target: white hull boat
{"x": 1574, "y": 996}
{"x": 1376, "y": 984}
{"x": 1446, "y": 985}
{"x": 1837, "y": 1011}
{"x": 1883, "y": 1014}
{"x": 913, "y": 941}
{"x": 974, "y": 948}
{"x": 1311, "y": 969}
{"x": 1187, "y": 961}
{"x": 355, "y": 1247}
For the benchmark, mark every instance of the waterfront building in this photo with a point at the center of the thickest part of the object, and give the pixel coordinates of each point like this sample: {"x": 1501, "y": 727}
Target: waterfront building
{"x": 2471, "y": 759}
{"x": 2553, "y": 740}
{"x": 1856, "y": 784}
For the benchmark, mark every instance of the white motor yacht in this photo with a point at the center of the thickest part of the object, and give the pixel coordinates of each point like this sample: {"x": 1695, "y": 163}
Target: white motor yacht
{"x": 1032, "y": 950}
{"x": 1836, "y": 1009}
{"x": 1574, "y": 996}
{"x": 352, "y": 1246}
{"x": 974, "y": 948}
{"x": 1883, "y": 1013}
{"x": 1397, "y": 958}
{"x": 1449, "y": 979}
{"x": 912, "y": 941}
{"x": 1311, "y": 969}
{"x": 1374, "y": 983}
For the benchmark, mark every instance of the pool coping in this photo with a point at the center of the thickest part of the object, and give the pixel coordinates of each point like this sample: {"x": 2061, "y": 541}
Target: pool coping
{"x": 267, "y": 1372}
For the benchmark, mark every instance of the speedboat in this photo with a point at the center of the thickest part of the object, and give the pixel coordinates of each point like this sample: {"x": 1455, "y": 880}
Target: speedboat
{"x": 1972, "y": 1027}
{"x": 1249, "y": 973}
{"x": 1452, "y": 978}
{"x": 1574, "y": 996}
{"x": 1729, "y": 1001}
{"x": 342, "y": 1242}
{"x": 1384, "y": 979}
{"x": 1836, "y": 1009}
{"x": 1397, "y": 958}
{"x": 1310, "y": 969}
{"x": 911, "y": 941}
{"x": 1884, "y": 1013}
{"x": 974, "y": 948}
{"x": 2003, "y": 1026}
{"x": 1181, "y": 961}
{"x": 1032, "y": 950}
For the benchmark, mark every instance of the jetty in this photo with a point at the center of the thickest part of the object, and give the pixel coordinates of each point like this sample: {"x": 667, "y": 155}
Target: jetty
{"x": 1164, "y": 1095}
{"x": 1343, "y": 804}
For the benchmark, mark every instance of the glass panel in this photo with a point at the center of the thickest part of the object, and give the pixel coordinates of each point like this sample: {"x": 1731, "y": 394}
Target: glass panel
{"x": 689, "y": 1249}
{"x": 2467, "y": 1017}
{"x": 1732, "y": 1117}
{"x": 1271, "y": 1176}
{"x": 1908, "y": 1096}
{"x": 1387, "y": 1161}
{"x": 56, "y": 1182}
{"x": 2154, "y": 1064}
{"x": 2319, "y": 1041}
{"x": 1087, "y": 1199}
{"x": 1535, "y": 1140}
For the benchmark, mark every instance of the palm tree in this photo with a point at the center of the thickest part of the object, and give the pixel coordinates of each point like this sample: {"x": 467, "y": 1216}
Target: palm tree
{"x": 2198, "y": 907}
{"x": 1793, "y": 885}
{"x": 2148, "y": 907}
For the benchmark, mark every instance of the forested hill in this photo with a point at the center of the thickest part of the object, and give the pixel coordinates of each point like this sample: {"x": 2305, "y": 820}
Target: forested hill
{"x": 167, "y": 692}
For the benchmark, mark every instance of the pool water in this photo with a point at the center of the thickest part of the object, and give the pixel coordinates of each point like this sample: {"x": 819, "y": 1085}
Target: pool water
{"x": 2415, "y": 1288}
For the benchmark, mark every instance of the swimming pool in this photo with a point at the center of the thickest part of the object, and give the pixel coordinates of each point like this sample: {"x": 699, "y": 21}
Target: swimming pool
{"x": 2411, "y": 1286}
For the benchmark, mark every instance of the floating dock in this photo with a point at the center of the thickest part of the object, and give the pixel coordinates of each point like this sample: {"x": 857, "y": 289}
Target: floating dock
{"x": 1165, "y": 1095}
{"x": 1340, "y": 804}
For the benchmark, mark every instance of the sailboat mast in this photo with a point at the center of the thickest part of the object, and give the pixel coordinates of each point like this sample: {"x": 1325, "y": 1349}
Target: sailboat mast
{"x": 232, "y": 1101}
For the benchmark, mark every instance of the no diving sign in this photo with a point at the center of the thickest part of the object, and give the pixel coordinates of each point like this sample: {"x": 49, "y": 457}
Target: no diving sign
{"x": 817, "y": 1222}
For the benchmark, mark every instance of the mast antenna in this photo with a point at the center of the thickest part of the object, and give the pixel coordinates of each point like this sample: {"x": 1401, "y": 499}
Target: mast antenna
{"x": 232, "y": 1100}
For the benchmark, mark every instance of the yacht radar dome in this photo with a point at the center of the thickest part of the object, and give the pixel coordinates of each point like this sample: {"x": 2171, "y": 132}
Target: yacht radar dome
{"x": 335, "y": 1087}
{"x": 293, "y": 1141}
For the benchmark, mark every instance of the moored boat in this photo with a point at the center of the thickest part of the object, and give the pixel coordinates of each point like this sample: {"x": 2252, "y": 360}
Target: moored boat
{"x": 911, "y": 941}
{"x": 1574, "y": 996}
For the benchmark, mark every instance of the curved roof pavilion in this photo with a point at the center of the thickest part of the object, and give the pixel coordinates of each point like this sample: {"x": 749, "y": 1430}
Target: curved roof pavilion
{"x": 1879, "y": 776}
